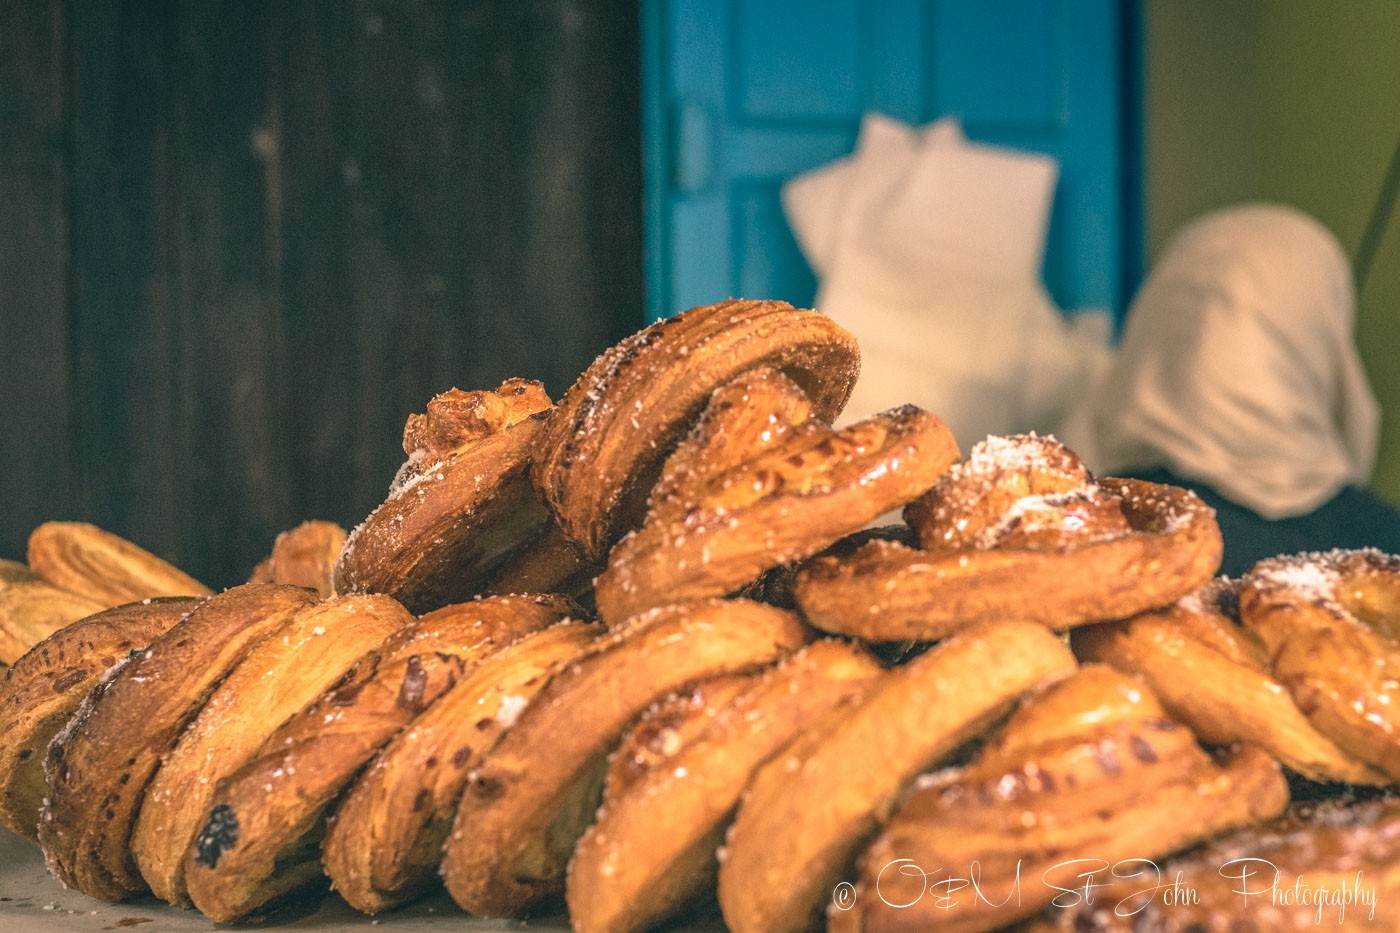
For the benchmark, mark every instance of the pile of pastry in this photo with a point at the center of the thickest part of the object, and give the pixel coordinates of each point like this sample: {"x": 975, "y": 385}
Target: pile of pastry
{"x": 639, "y": 652}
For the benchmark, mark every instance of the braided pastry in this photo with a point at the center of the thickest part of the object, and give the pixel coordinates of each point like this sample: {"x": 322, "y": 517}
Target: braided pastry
{"x": 759, "y": 483}
{"x": 262, "y": 830}
{"x": 652, "y": 851}
{"x": 46, "y": 685}
{"x": 304, "y": 556}
{"x": 814, "y": 805}
{"x": 461, "y": 504}
{"x": 538, "y": 788}
{"x": 602, "y": 449}
{"x": 99, "y": 765}
{"x": 1091, "y": 552}
{"x": 1214, "y": 677}
{"x": 1331, "y": 624}
{"x": 385, "y": 840}
{"x": 277, "y": 677}
{"x": 1088, "y": 769}
{"x": 97, "y": 564}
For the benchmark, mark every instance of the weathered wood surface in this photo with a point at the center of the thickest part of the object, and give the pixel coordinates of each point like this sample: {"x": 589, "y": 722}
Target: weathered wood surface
{"x": 241, "y": 242}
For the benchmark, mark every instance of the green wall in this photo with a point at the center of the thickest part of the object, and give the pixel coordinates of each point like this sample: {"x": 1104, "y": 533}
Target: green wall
{"x": 1285, "y": 100}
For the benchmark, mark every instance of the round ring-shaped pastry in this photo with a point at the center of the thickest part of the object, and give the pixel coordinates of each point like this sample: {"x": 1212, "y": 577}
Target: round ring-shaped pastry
{"x": 808, "y": 809}
{"x": 1331, "y": 623}
{"x": 45, "y": 686}
{"x": 888, "y": 592}
{"x": 461, "y": 505}
{"x": 278, "y": 677}
{"x": 84, "y": 559}
{"x": 602, "y": 449}
{"x": 384, "y": 843}
{"x": 1213, "y": 676}
{"x": 528, "y": 803}
{"x": 653, "y": 850}
{"x": 1088, "y": 772}
{"x": 262, "y": 836}
{"x": 98, "y": 766}
{"x": 806, "y": 491}
{"x": 304, "y": 556}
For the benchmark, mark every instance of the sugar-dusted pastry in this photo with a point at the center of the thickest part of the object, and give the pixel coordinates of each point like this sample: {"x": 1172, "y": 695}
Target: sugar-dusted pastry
{"x": 84, "y": 559}
{"x": 602, "y": 448}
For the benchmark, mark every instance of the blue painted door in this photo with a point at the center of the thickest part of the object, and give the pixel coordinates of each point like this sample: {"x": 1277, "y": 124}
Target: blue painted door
{"x": 741, "y": 95}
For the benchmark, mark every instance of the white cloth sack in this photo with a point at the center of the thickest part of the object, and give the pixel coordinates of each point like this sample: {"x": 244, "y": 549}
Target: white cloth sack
{"x": 929, "y": 250}
{"x": 1238, "y": 369}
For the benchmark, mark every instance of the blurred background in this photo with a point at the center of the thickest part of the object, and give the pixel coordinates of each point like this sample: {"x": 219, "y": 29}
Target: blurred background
{"x": 241, "y": 241}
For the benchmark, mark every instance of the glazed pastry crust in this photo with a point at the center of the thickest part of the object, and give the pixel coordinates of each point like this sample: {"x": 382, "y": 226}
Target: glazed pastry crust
{"x": 1213, "y": 676}
{"x": 461, "y": 505}
{"x": 1089, "y": 769}
{"x": 277, "y": 803}
{"x": 530, "y": 800}
{"x": 816, "y": 804}
{"x": 888, "y": 592}
{"x": 653, "y": 850}
{"x": 277, "y": 677}
{"x": 602, "y": 449}
{"x": 719, "y": 521}
{"x": 45, "y": 686}
{"x": 385, "y": 841}
{"x": 304, "y": 556}
{"x": 99, "y": 765}
{"x": 32, "y": 610}
{"x": 110, "y": 570}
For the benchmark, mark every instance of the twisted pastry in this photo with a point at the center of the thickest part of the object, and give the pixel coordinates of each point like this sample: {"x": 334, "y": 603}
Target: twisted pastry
{"x": 385, "y": 840}
{"x": 304, "y": 556}
{"x": 45, "y": 686}
{"x": 273, "y": 681}
{"x": 1214, "y": 677}
{"x": 98, "y": 767}
{"x": 1088, "y": 772}
{"x": 97, "y": 564}
{"x": 32, "y": 610}
{"x": 758, "y": 484}
{"x": 1334, "y": 848}
{"x": 1331, "y": 624}
{"x": 530, "y": 800}
{"x": 1106, "y": 550}
{"x": 262, "y": 831}
{"x": 807, "y": 811}
{"x": 602, "y": 449}
{"x": 461, "y": 504}
{"x": 652, "y": 851}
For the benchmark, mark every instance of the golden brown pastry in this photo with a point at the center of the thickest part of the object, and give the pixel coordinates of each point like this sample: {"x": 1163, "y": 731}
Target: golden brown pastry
{"x": 1213, "y": 676}
{"x": 385, "y": 839}
{"x": 1331, "y": 624}
{"x": 653, "y": 851}
{"x": 262, "y": 833}
{"x": 304, "y": 556}
{"x": 550, "y": 563}
{"x": 1340, "y": 853}
{"x": 1107, "y": 551}
{"x": 84, "y": 559}
{"x": 461, "y": 505}
{"x": 752, "y": 488}
{"x": 98, "y": 767}
{"x": 808, "y": 810}
{"x": 537, "y": 790}
{"x": 45, "y": 686}
{"x": 602, "y": 449}
{"x": 32, "y": 610}
{"x": 1090, "y": 768}
{"x": 274, "y": 680}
